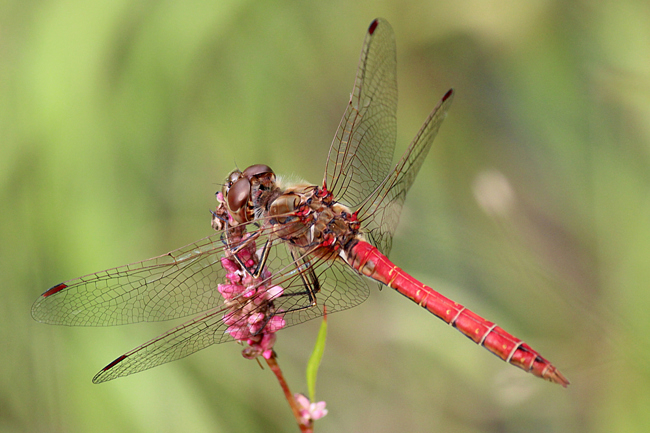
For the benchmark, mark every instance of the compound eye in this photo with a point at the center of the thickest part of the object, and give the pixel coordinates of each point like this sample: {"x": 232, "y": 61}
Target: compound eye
{"x": 227, "y": 184}
{"x": 256, "y": 170}
{"x": 238, "y": 195}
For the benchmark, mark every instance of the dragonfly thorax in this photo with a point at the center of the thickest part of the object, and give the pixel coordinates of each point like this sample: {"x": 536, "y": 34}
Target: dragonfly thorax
{"x": 308, "y": 217}
{"x": 303, "y": 215}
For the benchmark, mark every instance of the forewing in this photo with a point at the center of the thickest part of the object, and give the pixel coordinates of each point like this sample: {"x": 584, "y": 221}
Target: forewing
{"x": 362, "y": 150}
{"x": 176, "y": 284}
{"x": 380, "y": 213}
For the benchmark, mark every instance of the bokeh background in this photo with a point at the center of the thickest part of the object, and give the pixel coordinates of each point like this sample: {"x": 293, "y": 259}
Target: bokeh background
{"x": 119, "y": 119}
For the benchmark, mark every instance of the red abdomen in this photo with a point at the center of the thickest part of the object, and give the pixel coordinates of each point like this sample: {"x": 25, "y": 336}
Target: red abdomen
{"x": 370, "y": 262}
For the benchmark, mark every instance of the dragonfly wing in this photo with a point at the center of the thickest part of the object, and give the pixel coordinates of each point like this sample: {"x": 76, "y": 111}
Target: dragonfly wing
{"x": 177, "y": 343}
{"x": 176, "y": 284}
{"x": 335, "y": 286}
{"x": 380, "y": 213}
{"x": 362, "y": 149}
{"x": 341, "y": 288}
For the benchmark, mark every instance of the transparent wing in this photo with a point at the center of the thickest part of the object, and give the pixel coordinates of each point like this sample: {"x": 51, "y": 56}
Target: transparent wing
{"x": 169, "y": 286}
{"x": 379, "y": 214}
{"x": 185, "y": 281}
{"x": 362, "y": 149}
{"x": 177, "y": 343}
{"x": 338, "y": 288}
{"x": 357, "y": 171}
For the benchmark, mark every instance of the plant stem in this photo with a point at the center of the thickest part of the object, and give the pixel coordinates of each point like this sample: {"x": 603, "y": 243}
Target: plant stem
{"x": 275, "y": 368}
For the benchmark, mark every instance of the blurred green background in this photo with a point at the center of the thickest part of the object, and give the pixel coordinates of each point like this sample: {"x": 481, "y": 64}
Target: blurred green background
{"x": 119, "y": 119}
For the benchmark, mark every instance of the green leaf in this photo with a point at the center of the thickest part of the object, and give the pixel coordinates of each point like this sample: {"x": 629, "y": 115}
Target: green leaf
{"x": 315, "y": 358}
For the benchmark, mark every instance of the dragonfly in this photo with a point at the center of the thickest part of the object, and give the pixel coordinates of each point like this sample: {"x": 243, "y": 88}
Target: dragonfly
{"x": 321, "y": 247}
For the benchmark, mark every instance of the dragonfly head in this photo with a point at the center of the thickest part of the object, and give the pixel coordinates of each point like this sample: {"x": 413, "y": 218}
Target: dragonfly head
{"x": 241, "y": 188}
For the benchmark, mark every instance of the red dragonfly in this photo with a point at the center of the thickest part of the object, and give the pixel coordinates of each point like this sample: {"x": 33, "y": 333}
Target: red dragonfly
{"x": 318, "y": 243}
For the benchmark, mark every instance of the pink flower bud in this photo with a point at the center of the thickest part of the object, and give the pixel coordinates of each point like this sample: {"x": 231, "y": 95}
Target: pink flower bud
{"x": 275, "y": 324}
{"x": 274, "y": 292}
{"x": 229, "y": 265}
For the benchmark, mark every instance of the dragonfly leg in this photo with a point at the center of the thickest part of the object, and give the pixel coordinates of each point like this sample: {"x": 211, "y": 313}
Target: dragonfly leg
{"x": 309, "y": 282}
{"x": 257, "y": 270}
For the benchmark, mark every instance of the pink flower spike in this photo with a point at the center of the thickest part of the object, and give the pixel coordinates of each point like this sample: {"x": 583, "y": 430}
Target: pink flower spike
{"x": 252, "y": 318}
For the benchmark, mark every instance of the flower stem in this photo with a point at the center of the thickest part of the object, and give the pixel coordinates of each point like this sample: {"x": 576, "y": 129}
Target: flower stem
{"x": 275, "y": 368}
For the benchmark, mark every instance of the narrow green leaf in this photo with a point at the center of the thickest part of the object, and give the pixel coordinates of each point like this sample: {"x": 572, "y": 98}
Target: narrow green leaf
{"x": 315, "y": 358}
